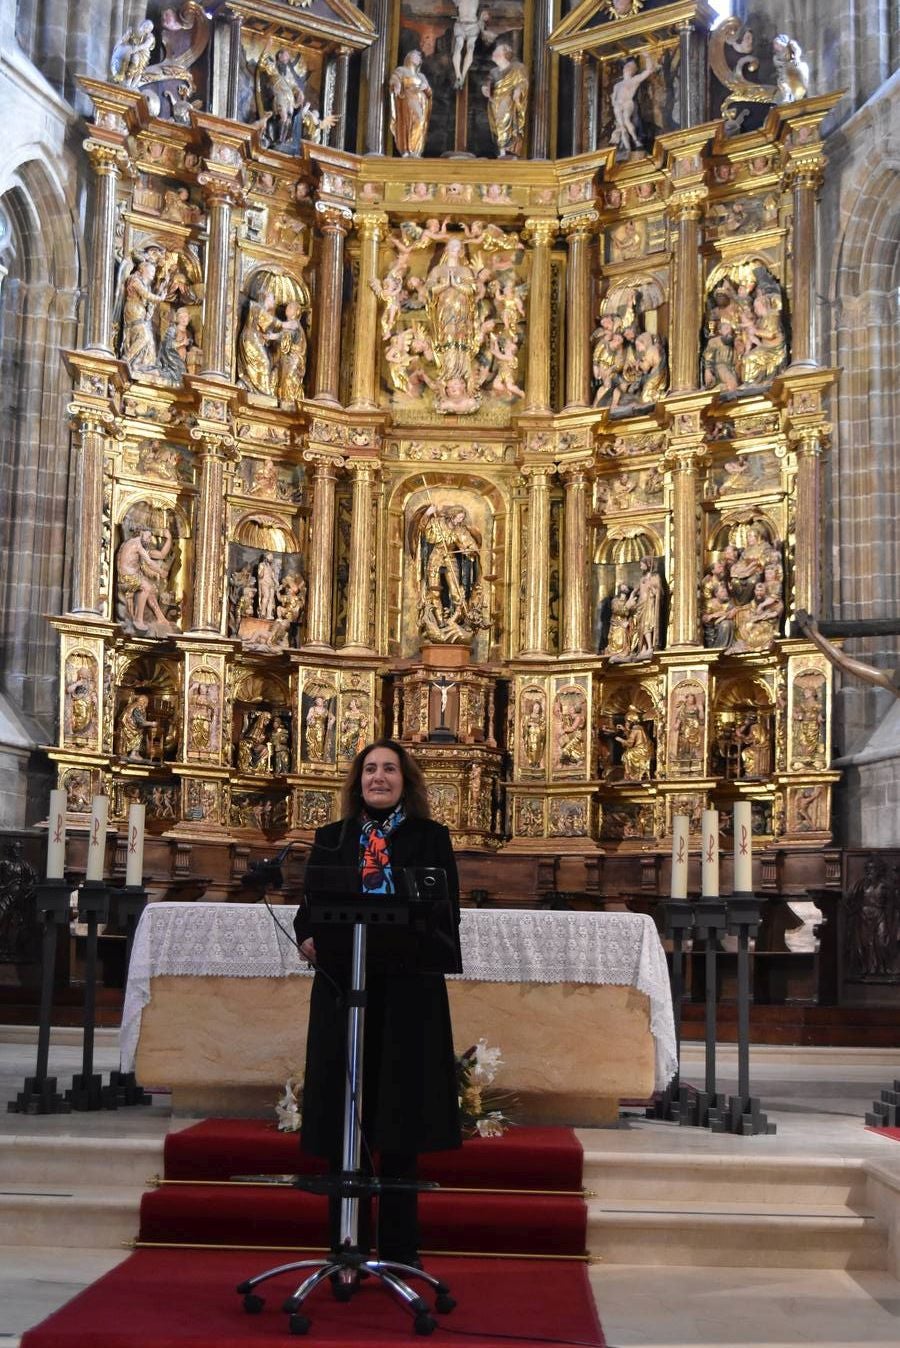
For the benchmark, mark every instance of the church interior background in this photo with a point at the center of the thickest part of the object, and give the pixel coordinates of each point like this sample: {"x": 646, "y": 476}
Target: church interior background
{"x": 510, "y": 380}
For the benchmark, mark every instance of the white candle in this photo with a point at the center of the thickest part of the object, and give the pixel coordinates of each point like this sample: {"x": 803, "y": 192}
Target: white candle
{"x": 134, "y": 864}
{"x": 56, "y": 835}
{"x": 743, "y": 848}
{"x": 97, "y": 838}
{"x": 680, "y": 829}
{"x": 709, "y": 865}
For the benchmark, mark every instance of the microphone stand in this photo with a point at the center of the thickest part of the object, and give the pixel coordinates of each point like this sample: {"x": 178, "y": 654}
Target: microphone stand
{"x": 345, "y": 1265}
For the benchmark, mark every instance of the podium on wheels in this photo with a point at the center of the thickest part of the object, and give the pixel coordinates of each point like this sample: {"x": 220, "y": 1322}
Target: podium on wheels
{"x": 421, "y": 906}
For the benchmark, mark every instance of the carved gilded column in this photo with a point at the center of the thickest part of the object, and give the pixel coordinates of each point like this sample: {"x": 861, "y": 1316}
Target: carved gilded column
{"x": 107, "y": 162}
{"x": 537, "y": 571}
{"x": 371, "y": 227}
{"x": 319, "y": 602}
{"x": 685, "y": 450}
{"x": 809, "y": 523}
{"x": 576, "y": 573}
{"x": 362, "y": 547}
{"x": 91, "y": 430}
{"x": 213, "y": 452}
{"x": 375, "y": 68}
{"x": 334, "y": 221}
{"x": 579, "y": 230}
{"x": 341, "y": 71}
{"x": 578, "y": 91}
{"x": 805, "y": 180}
{"x": 220, "y": 198}
{"x": 541, "y": 27}
{"x": 685, "y": 211}
{"x": 540, "y": 234}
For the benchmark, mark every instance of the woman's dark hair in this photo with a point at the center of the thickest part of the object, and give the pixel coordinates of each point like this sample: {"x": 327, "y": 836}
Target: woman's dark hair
{"x": 415, "y": 792}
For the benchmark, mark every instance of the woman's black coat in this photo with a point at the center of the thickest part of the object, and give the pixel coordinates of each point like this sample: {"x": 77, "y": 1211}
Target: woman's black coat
{"x": 410, "y": 1101}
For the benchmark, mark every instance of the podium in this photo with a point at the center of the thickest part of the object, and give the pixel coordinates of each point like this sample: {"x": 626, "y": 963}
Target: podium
{"x": 420, "y": 906}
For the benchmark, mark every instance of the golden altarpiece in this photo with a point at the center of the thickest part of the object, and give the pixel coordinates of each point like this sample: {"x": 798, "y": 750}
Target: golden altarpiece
{"x": 402, "y": 425}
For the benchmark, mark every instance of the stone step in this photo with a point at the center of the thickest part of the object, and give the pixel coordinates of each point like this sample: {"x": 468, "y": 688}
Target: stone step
{"x": 42, "y": 1162}
{"x": 70, "y": 1217}
{"x": 730, "y": 1235}
{"x": 697, "y": 1179}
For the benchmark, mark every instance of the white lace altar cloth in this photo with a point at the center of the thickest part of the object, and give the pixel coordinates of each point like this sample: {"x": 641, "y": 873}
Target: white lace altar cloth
{"x": 499, "y": 946}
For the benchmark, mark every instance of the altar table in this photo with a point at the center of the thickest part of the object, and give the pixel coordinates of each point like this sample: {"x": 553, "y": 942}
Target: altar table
{"x": 578, "y": 1003}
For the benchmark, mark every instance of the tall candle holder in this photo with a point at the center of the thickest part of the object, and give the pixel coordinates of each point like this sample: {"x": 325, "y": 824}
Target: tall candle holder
{"x": 126, "y": 909}
{"x": 743, "y": 1113}
{"x": 39, "y": 1094}
{"x": 87, "y": 1091}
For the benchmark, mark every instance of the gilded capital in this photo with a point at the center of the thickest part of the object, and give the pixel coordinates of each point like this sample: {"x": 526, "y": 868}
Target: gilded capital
{"x": 582, "y": 225}
{"x": 333, "y": 219}
{"x": 686, "y": 203}
{"x": 215, "y": 445}
{"x": 575, "y": 470}
{"x": 221, "y": 191}
{"x": 540, "y": 233}
{"x": 371, "y": 224}
{"x": 809, "y": 441}
{"x": 324, "y": 464}
{"x": 106, "y": 158}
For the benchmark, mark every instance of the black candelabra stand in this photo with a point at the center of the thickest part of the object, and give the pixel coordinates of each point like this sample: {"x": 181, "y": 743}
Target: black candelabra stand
{"x": 673, "y": 1104}
{"x": 87, "y": 1091}
{"x": 742, "y": 1112}
{"x": 700, "y": 1108}
{"x": 127, "y": 906}
{"x": 39, "y": 1094}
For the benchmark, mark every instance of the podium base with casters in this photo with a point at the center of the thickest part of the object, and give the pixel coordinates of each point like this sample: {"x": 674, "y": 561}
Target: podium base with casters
{"x": 341, "y": 904}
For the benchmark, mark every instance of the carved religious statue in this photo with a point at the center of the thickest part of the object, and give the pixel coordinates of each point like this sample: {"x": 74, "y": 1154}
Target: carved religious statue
{"x": 570, "y": 711}
{"x": 142, "y": 570}
{"x": 354, "y": 728}
{"x": 133, "y": 727}
{"x": 131, "y": 54}
{"x": 410, "y": 96}
{"x": 506, "y": 91}
{"x": 745, "y": 341}
{"x": 279, "y": 371}
{"x": 637, "y": 747}
{"x": 80, "y": 704}
{"x": 628, "y": 357}
{"x": 742, "y": 594}
{"x": 320, "y": 721}
{"x": 451, "y": 593}
{"x": 628, "y": 133}
{"x": 254, "y": 750}
{"x": 534, "y": 732}
{"x": 689, "y": 720}
{"x": 281, "y": 99}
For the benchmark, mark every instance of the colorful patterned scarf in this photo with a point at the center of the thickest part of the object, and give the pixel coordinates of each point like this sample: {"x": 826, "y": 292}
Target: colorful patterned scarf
{"x": 374, "y": 858}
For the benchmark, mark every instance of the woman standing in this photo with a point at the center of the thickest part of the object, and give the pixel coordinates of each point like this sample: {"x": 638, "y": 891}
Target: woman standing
{"x": 410, "y": 1102}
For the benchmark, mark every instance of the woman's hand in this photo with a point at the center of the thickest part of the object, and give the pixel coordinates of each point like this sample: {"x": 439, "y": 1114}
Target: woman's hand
{"x": 308, "y": 950}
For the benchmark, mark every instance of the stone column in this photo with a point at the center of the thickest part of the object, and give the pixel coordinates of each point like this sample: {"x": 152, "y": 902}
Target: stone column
{"x": 809, "y": 524}
{"x": 213, "y": 452}
{"x": 371, "y": 227}
{"x": 220, "y": 199}
{"x": 537, "y": 572}
{"x": 684, "y": 624}
{"x": 320, "y": 594}
{"x": 576, "y": 576}
{"x": 579, "y": 231}
{"x": 805, "y": 181}
{"x": 107, "y": 162}
{"x": 540, "y": 234}
{"x": 362, "y": 546}
{"x": 334, "y": 221}
{"x": 91, "y": 430}
{"x": 685, "y": 210}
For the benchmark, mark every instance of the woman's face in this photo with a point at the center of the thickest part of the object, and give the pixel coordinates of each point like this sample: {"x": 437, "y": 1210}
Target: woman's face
{"x": 382, "y": 779}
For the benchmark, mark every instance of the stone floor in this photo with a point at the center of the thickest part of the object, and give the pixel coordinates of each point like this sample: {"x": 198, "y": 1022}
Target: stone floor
{"x": 816, "y": 1097}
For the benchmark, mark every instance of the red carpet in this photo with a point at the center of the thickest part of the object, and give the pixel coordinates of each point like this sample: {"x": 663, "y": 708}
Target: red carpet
{"x": 892, "y": 1133}
{"x": 221, "y": 1148}
{"x": 185, "y": 1297}
{"x": 175, "y": 1299}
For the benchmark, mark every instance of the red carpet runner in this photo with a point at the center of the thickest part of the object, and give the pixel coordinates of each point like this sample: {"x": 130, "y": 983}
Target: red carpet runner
{"x": 185, "y": 1298}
